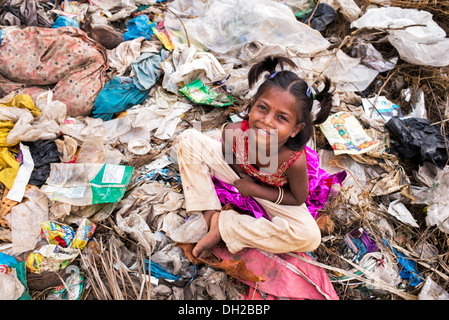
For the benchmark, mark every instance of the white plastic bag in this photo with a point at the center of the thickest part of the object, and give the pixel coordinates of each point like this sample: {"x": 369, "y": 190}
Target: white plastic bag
{"x": 399, "y": 210}
{"x": 191, "y": 231}
{"x": 224, "y": 26}
{"x": 432, "y": 291}
{"x": 26, "y": 219}
{"x": 191, "y": 63}
{"x": 347, "y": 73}
{"x": 386, "y": 271}
{"x": 10, "y": 286}
{"x": 421, "y": 45}
{"x": 435, "y": 197}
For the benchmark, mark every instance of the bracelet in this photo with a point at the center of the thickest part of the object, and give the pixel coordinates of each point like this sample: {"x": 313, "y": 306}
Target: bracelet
{"x": 280, "y": 196}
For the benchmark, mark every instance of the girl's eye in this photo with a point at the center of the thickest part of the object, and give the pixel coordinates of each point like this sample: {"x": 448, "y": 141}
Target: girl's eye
{"x": 262, "y": 107}
{"x": 282, "y": 118}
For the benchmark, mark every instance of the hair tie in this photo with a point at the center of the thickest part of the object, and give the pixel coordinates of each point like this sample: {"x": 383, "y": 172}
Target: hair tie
{"x": 310, "y": 94}
{"x": 272, "y": 75}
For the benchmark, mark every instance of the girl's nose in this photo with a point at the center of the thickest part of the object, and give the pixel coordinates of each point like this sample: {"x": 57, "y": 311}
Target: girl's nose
{"x": 268, "y": 119}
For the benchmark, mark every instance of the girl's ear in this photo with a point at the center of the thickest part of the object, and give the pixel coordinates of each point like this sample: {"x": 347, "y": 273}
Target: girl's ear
{"x": 297, "y": 129}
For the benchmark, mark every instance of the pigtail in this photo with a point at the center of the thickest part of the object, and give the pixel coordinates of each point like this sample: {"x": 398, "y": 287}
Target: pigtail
{"x": 325, "y": 99}
{"x": 269, "y": 64}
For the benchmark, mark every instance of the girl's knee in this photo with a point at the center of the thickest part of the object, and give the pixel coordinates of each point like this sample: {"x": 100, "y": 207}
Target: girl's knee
{"x": 313, "y": 239}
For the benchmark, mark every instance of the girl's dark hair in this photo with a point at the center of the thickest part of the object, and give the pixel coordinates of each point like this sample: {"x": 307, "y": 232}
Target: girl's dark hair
{"x": 292, "y": 83}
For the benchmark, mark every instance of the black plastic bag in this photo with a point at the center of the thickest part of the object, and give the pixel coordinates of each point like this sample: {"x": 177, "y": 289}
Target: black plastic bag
{"x": 321, "y": 17}
{"x": 43, "y": 152}
{"x": 416, "y": 138}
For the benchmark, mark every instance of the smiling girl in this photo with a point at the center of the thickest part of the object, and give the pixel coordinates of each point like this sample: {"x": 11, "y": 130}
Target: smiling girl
{"x": 263, "y": 157}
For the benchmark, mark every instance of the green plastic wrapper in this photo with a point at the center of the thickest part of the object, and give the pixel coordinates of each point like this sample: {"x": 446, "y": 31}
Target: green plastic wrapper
{"x": 200, "y": 93}
{"x": 83, "y": 184}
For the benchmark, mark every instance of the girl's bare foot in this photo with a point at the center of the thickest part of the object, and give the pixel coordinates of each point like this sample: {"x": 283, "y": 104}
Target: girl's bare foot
{"x": 205, "y": 246}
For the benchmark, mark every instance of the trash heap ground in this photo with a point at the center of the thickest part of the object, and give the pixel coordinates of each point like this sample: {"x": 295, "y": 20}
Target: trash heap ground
{"x": 93, "y": 95}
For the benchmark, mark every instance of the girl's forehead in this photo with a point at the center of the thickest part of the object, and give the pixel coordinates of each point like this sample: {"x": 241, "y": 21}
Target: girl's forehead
{"x": 277, "y": 97}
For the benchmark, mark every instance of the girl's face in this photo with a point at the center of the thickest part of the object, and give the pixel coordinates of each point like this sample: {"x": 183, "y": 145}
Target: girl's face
{"x": 274, "y": 118}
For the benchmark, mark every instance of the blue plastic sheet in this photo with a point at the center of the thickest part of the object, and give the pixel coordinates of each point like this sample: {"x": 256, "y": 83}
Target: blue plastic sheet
{"x": 408, "y": 267}
{"x": 140, "y": 26}
{"x": 157, "y": 271}
{"x": 118, "y": 95}
{"x": 7, "y": 260}
{"x": 63, "y": 21}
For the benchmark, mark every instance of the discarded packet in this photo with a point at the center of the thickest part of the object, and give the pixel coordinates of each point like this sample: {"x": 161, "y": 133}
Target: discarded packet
{"x": 200, "y": 93}
{"x": 85, "y": 231}
{"x": 56, "y": 233}
{"x": 50, "y": 257}
{"x": 345, "y": 134}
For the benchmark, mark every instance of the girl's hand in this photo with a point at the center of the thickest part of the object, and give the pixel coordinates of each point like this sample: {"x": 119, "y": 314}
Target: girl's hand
{"x": 245, "y": 185}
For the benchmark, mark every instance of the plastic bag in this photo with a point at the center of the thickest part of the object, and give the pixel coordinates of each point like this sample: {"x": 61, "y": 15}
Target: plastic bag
{"x": 416, "y": 138}
{"x": 92, "y": 151}
{"x": 400, "y": 211}
{"x": 322, "y": 16}
{"x": 348, "y": 8}
{"x": 347, "y": 73}
{"x": 139, "y": 27}
{"x": 224, "y": 26}
{"x": 87, "y": 183}
{"x": 408, "y": 269}
{"x": 10, "y": 286}
{"x": 63, "y": 21}
{"x": 187, "y": 64}
{"x": 435, "y": 196}
{"x": 162, "y": 112}
{"x": 192, "y": 231}
{"x": 372, "y": 58}
{"x": 432, "y": 291}
{"x": 26, "y": 219}
{"x": 416, "y": 44}
{"x": 380, "y": 266}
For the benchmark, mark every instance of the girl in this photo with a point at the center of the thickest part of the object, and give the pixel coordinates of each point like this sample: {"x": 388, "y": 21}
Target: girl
{"x": 263, "y": 157}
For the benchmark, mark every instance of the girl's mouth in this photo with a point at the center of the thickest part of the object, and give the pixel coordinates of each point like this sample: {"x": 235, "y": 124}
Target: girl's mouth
{"x": 264, "y": 132}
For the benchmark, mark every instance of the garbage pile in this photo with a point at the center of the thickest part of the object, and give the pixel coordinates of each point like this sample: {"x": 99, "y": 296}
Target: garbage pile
{"x": 94, "y": 93}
